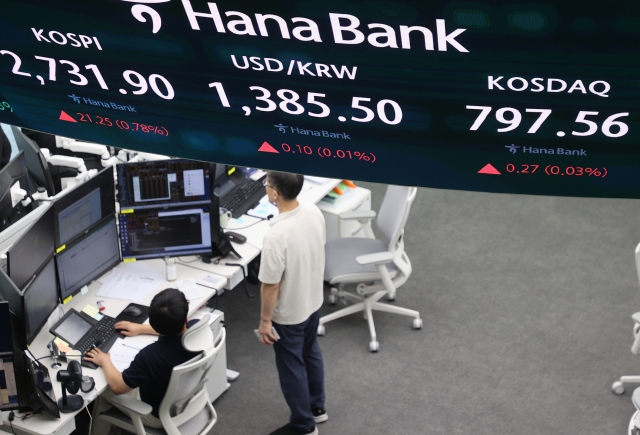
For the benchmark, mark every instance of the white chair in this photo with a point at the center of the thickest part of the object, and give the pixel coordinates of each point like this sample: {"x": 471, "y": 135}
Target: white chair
{"x": 186, "y": 408}
{"x": 618, "y": 386}
{"x": 634, "y": 423}
{"x": 376, "y": 267}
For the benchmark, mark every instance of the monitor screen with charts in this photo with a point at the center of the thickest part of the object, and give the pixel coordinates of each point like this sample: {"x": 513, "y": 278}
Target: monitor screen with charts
{"x": 164, "y": 183}
{"x": 29, "y": 253}
{"x": 88, "y": 258}
{"x": 170, "y": 232}
{"x": 84, "y": 206}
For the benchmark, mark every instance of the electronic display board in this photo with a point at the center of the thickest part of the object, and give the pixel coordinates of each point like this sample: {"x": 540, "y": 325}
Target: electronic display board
{"x": 521, "y": 97}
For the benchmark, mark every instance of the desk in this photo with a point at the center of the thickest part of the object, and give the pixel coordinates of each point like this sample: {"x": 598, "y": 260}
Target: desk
{"x": 45, "y": 424}
{"x": 254, "y": 230}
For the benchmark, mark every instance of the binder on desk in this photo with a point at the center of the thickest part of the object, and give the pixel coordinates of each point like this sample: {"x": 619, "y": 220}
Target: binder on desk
{"x": 339, "y": 192}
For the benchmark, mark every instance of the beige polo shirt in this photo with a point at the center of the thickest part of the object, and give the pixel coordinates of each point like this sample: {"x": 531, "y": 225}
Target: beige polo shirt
{"x": 293, "y": 255}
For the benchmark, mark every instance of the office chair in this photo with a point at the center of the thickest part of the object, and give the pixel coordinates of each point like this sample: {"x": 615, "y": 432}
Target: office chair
{"x": 634, "y": 423}
{"x": 376, "y": 267}
{"x": 618, "y": 386}
{"x": 186, "y": 408}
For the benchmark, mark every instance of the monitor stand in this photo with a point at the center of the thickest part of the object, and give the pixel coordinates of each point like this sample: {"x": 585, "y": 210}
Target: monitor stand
{"x": 223, "y": 248}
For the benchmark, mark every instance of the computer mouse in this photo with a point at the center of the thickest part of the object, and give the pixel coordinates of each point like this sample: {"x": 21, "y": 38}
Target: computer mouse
{"x": 132, "y": 311}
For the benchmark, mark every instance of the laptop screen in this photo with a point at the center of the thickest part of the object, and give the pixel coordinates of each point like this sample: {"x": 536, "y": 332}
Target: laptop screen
{"x": 73, "y": 328}
{"x": 223, "y": 186}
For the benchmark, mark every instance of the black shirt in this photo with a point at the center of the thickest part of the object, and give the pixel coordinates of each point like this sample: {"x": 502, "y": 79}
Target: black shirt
{"x": 151, "y": 368}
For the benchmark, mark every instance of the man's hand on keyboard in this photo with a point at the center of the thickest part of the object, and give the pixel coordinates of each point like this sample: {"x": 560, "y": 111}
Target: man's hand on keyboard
{"x": 97, "y": 357}
{"x": 129, "y": 329}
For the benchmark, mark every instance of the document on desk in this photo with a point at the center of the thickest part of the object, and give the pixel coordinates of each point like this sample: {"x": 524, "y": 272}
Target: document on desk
{"x": 317, "y": 180}
{"x": 190, "y": 289}
{"x": 122, "y": 354}
{"x": 264, "y": 209}
{"x": 130, "y": 282}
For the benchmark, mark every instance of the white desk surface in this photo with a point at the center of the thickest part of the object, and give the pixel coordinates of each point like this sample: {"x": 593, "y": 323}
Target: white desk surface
{"x": 254, "y": 230}
{"x": 45, "y": 424}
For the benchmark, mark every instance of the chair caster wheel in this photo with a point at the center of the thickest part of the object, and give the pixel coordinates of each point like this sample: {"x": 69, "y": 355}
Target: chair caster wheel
{"x": 332, "y": 299}
{"x": 391, "y": 296}
{"x": 374, "y": 346}
{"x": 321, "y": 330}
{"x": 617, "y": 387}
{"x": 417, "y": 323}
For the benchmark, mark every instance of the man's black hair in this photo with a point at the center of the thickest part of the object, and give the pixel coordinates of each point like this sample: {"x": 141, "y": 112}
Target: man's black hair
{"x": 288, "y": 185}
{"x": 169, "y": 310}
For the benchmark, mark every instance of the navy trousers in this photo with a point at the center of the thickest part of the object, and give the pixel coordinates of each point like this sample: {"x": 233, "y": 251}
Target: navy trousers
{"x": 301, "y": 370}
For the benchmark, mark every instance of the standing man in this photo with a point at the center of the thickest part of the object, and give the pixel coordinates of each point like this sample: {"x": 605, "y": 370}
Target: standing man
{"x": 291, "y": 272}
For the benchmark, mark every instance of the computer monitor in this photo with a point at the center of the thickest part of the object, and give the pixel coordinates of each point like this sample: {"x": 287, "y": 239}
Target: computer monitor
{"x": 39, "y": 300}
{"x": 88, "y": 258}
{"x": 14, "y": 171}
{"x": 170, "y": 232}
{"x": 223, "y": 182}
{"x": 36, "y": 163}
{"x": 164, "y": 183}
{"x": 10, "y": 293}
{"x": 41, "y": 391}
{"x": 9, "y": 399}
{"x": 85, "y": 206}
{"x": 29, "y": 253}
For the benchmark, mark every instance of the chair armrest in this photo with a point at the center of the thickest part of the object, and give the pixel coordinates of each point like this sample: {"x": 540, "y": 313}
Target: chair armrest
{"x": 375, "y": 259}
{"x": 133, "y": 405}
{"x": 360, "y": 215}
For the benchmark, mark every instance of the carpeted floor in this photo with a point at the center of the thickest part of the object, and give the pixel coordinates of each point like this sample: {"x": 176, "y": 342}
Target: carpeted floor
{"x": 527, "y": 305}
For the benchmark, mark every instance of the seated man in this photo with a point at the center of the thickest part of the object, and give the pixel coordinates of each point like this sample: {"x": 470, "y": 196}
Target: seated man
{"x": 151, "y": 369}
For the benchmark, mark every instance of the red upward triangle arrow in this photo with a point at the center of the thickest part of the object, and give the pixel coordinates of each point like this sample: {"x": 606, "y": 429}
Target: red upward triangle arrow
{"x": 266, "y": 148}
{"x": 64, "y": 116}
{"x": 489, "y": 169}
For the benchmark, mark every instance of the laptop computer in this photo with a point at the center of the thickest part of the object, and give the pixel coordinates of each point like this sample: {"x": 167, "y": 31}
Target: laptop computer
{"x": 82, "y": 332}
{"x": 237, "y": 192}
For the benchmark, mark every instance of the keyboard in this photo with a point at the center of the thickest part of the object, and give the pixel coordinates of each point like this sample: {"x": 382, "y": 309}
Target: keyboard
{"x": 243, "y": 198}
{"x": 98, "y": 335}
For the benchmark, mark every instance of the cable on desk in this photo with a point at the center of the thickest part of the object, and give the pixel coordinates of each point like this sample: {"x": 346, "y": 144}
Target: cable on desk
{"x": 86, "y": 406}
{"x": 216, "y": 294}
{"x": 12, "y": 416}
{"x": 253, "y": 246}
{"x": 255, "y": 223}
{"x": 193, "y": 267}
{"x": 244, "y": 275}
{"x": 181, "y": 261}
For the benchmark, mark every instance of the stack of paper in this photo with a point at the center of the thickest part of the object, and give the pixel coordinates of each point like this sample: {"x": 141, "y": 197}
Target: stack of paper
{"x": 131, "y": 282}
{"x": 317, "y": 180}
{"x": 190, "y": 289}
{"x": 215, "y": 281}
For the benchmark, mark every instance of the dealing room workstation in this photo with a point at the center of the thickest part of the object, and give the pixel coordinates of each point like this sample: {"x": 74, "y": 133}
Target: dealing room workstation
{"x": 487, "y": 284}
{"x": 98, "y": 251}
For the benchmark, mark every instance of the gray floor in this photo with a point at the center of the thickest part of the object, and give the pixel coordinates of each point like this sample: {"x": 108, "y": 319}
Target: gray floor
{"x": 526, "y": 304}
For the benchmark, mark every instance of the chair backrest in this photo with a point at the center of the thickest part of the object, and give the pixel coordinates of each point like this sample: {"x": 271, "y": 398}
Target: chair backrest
{"x": 186, "y": 408}
{"x": 394, "y": 212}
